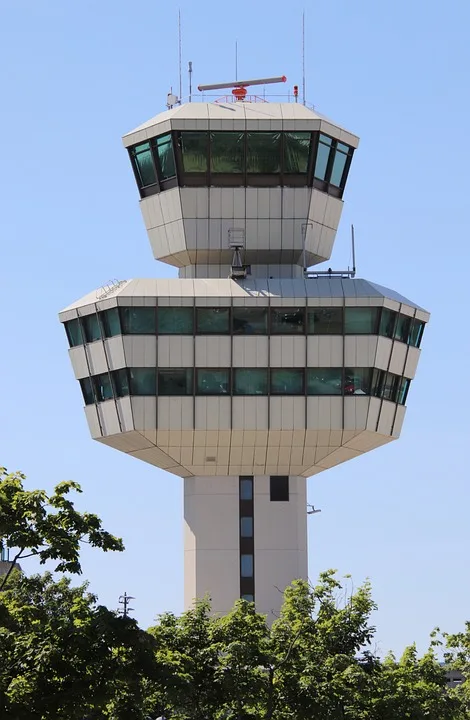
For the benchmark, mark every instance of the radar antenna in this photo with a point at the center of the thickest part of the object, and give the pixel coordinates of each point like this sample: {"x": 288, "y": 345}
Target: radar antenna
{"x": 239, "y": 86}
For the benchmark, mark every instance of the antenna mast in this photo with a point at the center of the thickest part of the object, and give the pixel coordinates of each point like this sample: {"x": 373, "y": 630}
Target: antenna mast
{"x": 190, "y": 70}
{"x": 179, "y": 54}
{"x": 236, "y": 59}
{"x": 303, "y": 57}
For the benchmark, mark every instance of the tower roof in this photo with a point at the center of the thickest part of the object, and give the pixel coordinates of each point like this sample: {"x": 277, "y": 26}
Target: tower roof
{"x": 237, "y": 116}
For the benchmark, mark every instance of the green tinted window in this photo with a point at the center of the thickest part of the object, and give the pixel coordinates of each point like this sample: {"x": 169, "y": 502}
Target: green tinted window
{"x": 87, "y": 391}
{"x": 337, "y": 170}
{"x": 287, "y": 382}
{"x": 228, "y": 152}
{"x": 110, "y": 321}
{"x": 246, "y": 566}
{"x": 403, "y": 388}
{"x": 175, "y": 320}
{"x": 323, "y": 154}
{"x": 194, "y": 146}
{"x": 246, "y": 527}
{"x": 103, "y": 387}
{"x": 324, "y": 381}
{"x": 249, "y": 321}
{"x": 74, "y": 332}
{"x": 166, "y": 158}
{"x": 388, "y": 319}
{"x": 246, "y": 488}
{"x": 143, "y": 161}
{"x": 296, "y": 152}
{"x": 121, "y": 382}
{"x": 175, "y": 381}
{"x": 143, "y": 381}
{"x": 287, "y": 321}
{"x": 263, "y": 153}
{"x": 213, "y": 320}
{"x": 357, "y": 381}
{"x": 402, "y": 330}
{"x": 91, "y": 327}
{"x": 213, "y": 382}
{"x": 361, "y": 320}
{"x": 138, "y": 320}
{"x": 325, "y": 321}
{"x": 250, "y": 381}
{"x": 416, "y": 333}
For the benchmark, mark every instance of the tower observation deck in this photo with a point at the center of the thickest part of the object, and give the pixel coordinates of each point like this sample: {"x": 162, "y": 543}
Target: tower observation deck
{"x": 244, "y": 376}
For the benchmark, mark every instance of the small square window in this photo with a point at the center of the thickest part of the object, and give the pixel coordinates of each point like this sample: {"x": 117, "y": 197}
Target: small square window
{"x": 250, "y": 321}
{"x": 279, "y": 488}
{"x": 246, "y": 566}
{"x": 246, "y": 488}
{"x": 246, "y": 527}
{"x": 175, "y": 320}
{"x": 287, "y": 382}
{"x": 175, "y": 381}
{"x": 248, "y": 597}
{"x": 213, "y": 382}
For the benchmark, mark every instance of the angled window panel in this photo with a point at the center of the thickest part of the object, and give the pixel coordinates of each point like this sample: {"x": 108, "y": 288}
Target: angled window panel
{"x": 357, "y": 381}
{"x": 103, "y": 387}
{"x": 74, "y": 332}
{"x": 87, "y": 391}
{"x": 142, "y": 381}
{"x": 163, "y": 146}
{"x": 111, "y": 322}
{"x": 144, "y": 164}
{"x": 91, "y": 327}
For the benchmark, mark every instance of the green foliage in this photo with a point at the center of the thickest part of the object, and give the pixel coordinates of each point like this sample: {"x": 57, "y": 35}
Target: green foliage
{"x": 48, "y": 527}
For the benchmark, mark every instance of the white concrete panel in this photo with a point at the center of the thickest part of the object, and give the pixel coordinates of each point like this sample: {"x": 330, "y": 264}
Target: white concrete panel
{"x": 250, "y": 351}
{"x": 411, "y": 362}
{"x": 96, "y": 358}
{"x": 108, "y": 418}
{"x": 397, "y": 361}
{"x": 144, "y": 412}
{"x": 384, "y": 351}
{"x": 175, "y": 413}
{"x": 356, "y": 411}
{"x": 93, "y": 421}
{"x": 274, "y": 571}
{"x": 386, "y": 418}
{"x": 334, "y": 208}
{"x": 287, "y": 413}
{"x": 79, "y": 362}
{"x": 212, "y": 351}
{"x": 373, "y": 414}
{"x": 140, "y": 350}
{"x": 213, "y": 413}
{"x": 360, "y": 350}
{"x": 114, "y": 350}
{"x": 287, "y": 351}
{"x": 124, "y": 410}
{"x": 175, "y": 351}
{"x": 250, "y": 413}
{"x": 399, "y": 418}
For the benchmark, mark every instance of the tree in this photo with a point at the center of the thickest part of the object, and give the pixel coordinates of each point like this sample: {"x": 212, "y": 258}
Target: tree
{"x": 48, "y": 527}
{"x": 64, "y": 656}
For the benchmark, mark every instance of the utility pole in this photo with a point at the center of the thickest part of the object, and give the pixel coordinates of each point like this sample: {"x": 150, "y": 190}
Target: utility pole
{"x": 124, "y": 600}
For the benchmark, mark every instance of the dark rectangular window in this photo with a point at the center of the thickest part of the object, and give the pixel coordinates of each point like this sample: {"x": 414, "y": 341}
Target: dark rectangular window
{"x": 228, "y": 153}
{"x": 213, "y": 382}
{"x": 250, "y": 321}
{"x": 195, "y": 151}
{"x": 138, "y": 320}
{"x": 279, "y": 488}
{"x": 246, "y": 527}
{"x": 121, "y": 382}
{"x": 287, "y": 321}
{"x": 416, "y": 333}
{"x": 144, "y": 165}
{"x": 248, "y": 597}
{"x": 91, "y": 327}
{"x": 325, "y": 321}
{"x": 87, "y": 391}
{"x": 111, "y": 322}
{"x": 296, "y": 152}
{"x": 250, "y": 381}
{"x": 103, "y": 387}
{"x": 263, "y": 153}
{"x": 143, "y": 381}
{"x": 213, "y": 320}
{"x": 390, "y": 387}
{"x": 74, "y": 332}
{"x": 388, "y": 319}
{"x": 166, "y": 159}
{"x": 175, "y": 320}
{"x": 339, "y": 164}
{"x": 246, "y": 488}
{"x": 324, "y": 381}
{"x": 287, "y": 382}
{"x": 403, "y": 388}
{"x": 323, "y": 154}
{"x": 361, "y": 320}
{"x": 175, "y": 381}
{"x": 357, "y": 381}
{"x": 402, "y": 329}
{"x": 246, "y": 566}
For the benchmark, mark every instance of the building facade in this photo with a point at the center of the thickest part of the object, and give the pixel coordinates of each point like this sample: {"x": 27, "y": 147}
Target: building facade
{"x": 246, "y": 374}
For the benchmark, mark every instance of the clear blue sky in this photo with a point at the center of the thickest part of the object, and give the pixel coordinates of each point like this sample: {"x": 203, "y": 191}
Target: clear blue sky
{"x": 74, "y": 77}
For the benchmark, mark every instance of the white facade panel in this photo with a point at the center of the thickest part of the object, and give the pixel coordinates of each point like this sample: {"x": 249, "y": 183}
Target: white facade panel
{"x": 398, "y": 358}
{"x": 212, "y": 351}
{"x": 79, "y": 362}
{"x": 411, "y": 363}
{"x": 175, "y": 351}
{"x": 140, "y": 350}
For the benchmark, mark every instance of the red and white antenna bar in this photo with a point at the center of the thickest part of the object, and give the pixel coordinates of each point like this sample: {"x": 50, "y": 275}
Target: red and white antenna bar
{"x": 239, "y": 86}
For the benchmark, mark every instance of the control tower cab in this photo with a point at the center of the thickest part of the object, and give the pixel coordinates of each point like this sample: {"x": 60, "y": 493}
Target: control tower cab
{"x": 245, "y": 374}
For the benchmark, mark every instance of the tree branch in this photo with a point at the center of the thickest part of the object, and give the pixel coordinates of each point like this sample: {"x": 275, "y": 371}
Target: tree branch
{"x": 10, "y": 570}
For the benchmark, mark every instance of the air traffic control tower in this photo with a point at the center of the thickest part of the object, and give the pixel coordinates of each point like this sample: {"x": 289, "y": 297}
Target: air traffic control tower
{"x": 246, "y": 374}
